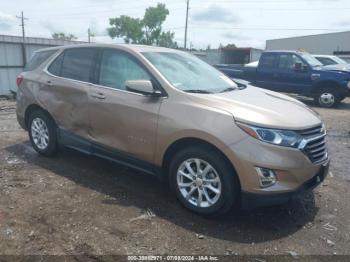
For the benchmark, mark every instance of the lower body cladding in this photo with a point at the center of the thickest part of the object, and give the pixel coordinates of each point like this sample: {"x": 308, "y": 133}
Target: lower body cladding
{"x": 273, "y": 175}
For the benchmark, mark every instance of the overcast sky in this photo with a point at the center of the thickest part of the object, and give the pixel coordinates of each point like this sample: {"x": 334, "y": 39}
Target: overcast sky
{"x": 246, "y": 23}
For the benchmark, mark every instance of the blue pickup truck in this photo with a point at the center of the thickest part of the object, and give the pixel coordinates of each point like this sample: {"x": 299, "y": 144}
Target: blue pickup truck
{"x": 295, "y": 72}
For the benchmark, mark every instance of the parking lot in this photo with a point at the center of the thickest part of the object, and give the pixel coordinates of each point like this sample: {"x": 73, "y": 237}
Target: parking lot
{"x": 77, "y": 204}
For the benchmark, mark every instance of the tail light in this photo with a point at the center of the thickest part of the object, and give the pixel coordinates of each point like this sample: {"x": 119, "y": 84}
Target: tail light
{"x": 19, "y": 80}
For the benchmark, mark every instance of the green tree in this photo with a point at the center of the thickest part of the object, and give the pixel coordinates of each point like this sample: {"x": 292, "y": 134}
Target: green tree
{"x": 63, "y": 36}
{"x": 127, "y": 27}
{"x": 147, "y": 30}
{"x": 231, "y": 46}
{"x": 166, "y": 39}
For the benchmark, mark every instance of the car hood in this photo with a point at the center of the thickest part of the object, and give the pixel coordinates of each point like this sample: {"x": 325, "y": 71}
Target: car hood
{"x": 337, "y": 68}
{"x": 262, "y": 107}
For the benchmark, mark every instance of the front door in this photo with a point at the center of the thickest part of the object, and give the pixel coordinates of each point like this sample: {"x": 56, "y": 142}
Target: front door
{"x": 121, "y": 120}
{"x": 290, "y": 79}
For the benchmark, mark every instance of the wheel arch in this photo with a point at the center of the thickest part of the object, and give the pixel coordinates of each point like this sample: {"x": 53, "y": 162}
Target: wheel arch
{"x": 31, "y": 108}
{"x": 329, "y": 83}
{"x": 181, "y": 143}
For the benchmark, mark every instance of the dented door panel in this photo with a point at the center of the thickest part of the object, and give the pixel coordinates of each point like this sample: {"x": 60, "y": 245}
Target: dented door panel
{"x": 124, "y": 121}
{"x": 67, "y": 102}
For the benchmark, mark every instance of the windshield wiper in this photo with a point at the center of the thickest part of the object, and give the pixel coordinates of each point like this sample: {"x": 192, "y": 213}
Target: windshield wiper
{"x": 228, "y": 89}
{"x": 198, "y": 91}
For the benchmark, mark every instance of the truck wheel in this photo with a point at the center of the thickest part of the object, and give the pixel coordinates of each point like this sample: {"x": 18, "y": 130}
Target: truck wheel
{"x": 328, "y": 97}
{"x": 42, "y": 133}
{"x": 203, "y": 182}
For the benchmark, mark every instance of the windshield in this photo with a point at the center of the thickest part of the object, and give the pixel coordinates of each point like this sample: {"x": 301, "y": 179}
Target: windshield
{"x": 312, "y": 61}
{"x": 188, "y": 73}
{"x": 339, "y": 60}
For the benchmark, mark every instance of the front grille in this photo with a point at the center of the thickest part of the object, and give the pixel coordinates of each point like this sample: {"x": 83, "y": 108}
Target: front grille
{"x": 310, "y": 132}
{"x": 315, "y": 147}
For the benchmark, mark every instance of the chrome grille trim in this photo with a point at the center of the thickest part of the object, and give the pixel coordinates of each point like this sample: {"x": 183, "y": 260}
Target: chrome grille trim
{"x": 314, "y": 144}
{"x": 311, "y": 131}
{"x": 317, "y": 144}
{"x": 318, "y": 149}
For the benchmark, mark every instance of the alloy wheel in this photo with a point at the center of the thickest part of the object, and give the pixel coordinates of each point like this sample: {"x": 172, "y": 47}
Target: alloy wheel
{"x": 40, "y": 133}
{"x": 327, "y": 99}
{"x": 199, "y": 183}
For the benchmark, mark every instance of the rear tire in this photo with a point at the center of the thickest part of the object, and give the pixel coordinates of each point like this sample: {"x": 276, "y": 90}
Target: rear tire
{"x": 328, "y": 97}
{"x": 210, "y": 188}
{"x": 42, "y": 133}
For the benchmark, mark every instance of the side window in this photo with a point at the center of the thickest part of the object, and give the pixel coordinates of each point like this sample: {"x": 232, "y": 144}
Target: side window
{"x": 288, "y": 61}
{"x": 268, "y": 61}
{"x": 117, "y": 68}
{"x": 326, "y": 61}
{"x": 55, "y": 67}
{"x": 37, "y": 59}
{"x": 77, "y": 63}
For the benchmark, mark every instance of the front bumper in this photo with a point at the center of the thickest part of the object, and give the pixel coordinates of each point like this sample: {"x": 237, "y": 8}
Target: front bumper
{"x": 252, "y": 200}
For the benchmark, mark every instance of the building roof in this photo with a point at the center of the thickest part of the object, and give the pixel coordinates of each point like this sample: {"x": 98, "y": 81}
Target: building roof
{"x": 314, "y": 35}
{"x": 239, "y": 48}
{"x": 36, "y": 40}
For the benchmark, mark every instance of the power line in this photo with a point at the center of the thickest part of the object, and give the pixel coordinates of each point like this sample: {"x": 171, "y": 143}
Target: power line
{"x": 136, "y": 8}
{"x": 255, "y": 1}
{"x": 265, "y": 28}
{"x": 278, "y": 9}
{"x": 254, "y": 28}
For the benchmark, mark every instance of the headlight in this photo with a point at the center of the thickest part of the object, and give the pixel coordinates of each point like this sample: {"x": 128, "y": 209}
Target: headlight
{"x": 349, "y": 84}
{"x": 273, "y": 136}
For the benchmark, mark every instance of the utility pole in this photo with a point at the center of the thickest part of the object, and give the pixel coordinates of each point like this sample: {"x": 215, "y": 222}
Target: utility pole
{"x": 22, "y": 18}
{"x": 89, "y": 35}
{"x": 188, "y": 3}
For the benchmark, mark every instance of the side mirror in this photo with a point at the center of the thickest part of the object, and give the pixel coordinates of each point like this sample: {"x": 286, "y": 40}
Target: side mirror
{"x": 142, "y": 86}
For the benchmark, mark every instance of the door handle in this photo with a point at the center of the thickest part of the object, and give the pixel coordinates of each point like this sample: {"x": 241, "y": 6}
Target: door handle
{"x": 100, "y": 96}
{"x": 49, "y": 83}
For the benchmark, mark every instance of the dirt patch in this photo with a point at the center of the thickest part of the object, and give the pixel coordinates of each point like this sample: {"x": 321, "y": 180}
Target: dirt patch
{"x": 76, "y": 204}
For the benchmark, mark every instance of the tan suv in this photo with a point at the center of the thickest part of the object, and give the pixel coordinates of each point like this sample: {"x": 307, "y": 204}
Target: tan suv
{"x": 167, "y": 113}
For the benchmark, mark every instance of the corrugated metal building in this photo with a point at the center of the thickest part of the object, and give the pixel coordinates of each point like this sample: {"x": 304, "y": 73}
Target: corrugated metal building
{"x": 13, "y": 55}
{"x": 325, "y": 44}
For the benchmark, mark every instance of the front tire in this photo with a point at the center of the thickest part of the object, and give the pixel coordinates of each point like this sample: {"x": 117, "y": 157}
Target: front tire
{"x": 328, "y": 97}
{"x": 42, "y": 133}
{"x": 203, "y": 181}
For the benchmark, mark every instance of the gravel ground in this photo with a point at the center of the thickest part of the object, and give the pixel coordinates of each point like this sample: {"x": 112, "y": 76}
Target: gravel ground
{"x": 75, "y": 204}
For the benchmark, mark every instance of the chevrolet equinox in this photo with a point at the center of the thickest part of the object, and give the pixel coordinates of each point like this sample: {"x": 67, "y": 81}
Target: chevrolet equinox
{"x": 168, "y": 113}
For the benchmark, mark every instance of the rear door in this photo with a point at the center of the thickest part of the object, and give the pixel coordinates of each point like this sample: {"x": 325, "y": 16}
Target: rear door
{"x": 124, "y": 122}
{"x": 65, "y": 89}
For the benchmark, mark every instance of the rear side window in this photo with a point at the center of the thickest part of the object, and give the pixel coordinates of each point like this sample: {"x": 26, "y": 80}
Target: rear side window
{"x": 37, "y": 59}
{"x": 326, "y": 61}
{"x": 56, "y": 66}
{"x": 268, "y": 61}
{"x": 76, "y": 63}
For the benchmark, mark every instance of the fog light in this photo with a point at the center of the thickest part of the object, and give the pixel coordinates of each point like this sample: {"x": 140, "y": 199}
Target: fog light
{"x": 267, "y": 177}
